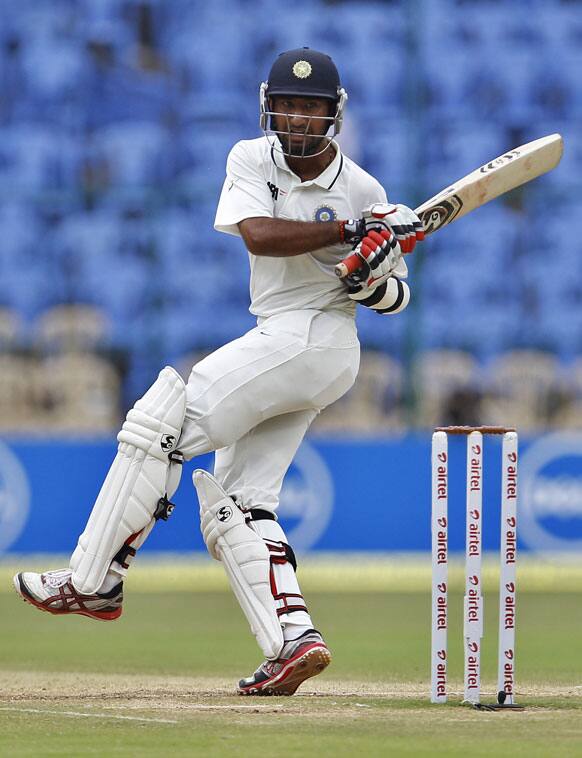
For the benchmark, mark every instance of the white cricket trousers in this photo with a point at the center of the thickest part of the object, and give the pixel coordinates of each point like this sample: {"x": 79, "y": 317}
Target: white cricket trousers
{"x": 252, "y": 400}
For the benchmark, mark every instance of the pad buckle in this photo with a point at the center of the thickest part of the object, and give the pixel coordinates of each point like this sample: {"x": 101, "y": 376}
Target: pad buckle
{"x": 164, "y": 509}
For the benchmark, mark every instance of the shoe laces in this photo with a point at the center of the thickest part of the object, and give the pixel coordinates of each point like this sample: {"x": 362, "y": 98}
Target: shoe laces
{"x": 56, "y": 579}
{"x": 272, "y": 667}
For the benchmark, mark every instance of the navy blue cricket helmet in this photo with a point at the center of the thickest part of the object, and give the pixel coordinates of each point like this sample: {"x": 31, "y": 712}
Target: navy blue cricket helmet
{"x": 303, "y": 73}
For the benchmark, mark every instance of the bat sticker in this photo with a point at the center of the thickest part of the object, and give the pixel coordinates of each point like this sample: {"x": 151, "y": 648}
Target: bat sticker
{"x": 493, "y": 165}
{"x": 441, "y": 214}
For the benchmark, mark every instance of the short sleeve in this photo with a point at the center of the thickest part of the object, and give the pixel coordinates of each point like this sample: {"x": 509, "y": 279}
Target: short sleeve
{"x": 245, "y": 193}
{"x": 375, "y": 194}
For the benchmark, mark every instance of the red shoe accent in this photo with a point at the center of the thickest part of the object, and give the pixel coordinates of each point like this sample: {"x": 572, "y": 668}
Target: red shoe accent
{"x": 308, "y": 662}
{"x": 61, "y": 597}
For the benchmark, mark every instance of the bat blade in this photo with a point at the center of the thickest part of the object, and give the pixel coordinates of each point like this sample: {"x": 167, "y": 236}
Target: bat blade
{"x": 495, "y": 178}
{"x": 508, "y": 171}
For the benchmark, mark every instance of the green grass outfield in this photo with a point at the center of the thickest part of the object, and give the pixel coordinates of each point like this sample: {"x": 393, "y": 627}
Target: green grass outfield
{"x": 160, "y": 681}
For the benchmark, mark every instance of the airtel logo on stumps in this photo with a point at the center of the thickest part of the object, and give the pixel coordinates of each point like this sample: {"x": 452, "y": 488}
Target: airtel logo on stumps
{"x": 508, "y": 672}
{"x": 441, "y": 673}
{"x": 474, "y": 534}
{"x": 511, "y": 476}
{"x": 441, "y": 607}
{"x": 441, "y": 539}
{"x": 472, "y": 665}
{"x": 508, "y": 606}
{"x": 441, "y": 477}
{"x": 475, "y": 469}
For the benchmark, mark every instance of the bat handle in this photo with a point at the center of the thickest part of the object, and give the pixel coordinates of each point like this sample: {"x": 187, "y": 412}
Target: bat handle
{"x": 350, "y": 264}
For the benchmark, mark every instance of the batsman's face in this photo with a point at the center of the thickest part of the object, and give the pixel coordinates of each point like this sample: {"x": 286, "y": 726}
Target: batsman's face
{"x": 301, "y": 123}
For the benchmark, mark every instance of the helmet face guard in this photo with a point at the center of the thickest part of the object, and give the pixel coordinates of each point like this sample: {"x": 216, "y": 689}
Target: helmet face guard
{"x": 305, "y": 148}
{"x": 302, "y": 73}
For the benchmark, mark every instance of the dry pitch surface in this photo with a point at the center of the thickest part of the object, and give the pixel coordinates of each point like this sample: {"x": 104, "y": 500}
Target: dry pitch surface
{"x": 88, "y": 714}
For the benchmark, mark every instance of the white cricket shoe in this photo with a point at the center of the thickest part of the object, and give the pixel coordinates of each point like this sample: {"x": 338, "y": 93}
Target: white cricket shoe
{"x": 300, "y": 659}
{"x": 53, "y": 591}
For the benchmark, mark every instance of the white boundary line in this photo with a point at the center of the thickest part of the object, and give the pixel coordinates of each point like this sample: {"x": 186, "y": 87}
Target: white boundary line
{"x": 91, "y": 715}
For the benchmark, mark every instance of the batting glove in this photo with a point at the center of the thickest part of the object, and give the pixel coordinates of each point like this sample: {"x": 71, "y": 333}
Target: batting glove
{"x": 403, "y": 221}
{"x": 380, "y": 256}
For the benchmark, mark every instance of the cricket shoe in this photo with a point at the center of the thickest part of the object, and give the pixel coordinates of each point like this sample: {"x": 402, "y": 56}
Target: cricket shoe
{"x": 299, "y": 660}
{"x": 54, "y": 592}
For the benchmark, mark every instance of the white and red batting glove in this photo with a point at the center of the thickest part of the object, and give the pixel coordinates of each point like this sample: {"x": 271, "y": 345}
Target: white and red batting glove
{"x": 403, "y": 221}
{"x": 380, "y": 253}
{"x": 400, "y": 223}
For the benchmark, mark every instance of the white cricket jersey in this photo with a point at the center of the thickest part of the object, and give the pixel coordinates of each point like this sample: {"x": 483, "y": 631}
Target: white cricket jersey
{"x": 260, "y": 183}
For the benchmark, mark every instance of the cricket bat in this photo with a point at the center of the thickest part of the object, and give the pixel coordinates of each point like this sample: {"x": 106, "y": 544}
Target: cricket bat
{"x": 500, "y": 175}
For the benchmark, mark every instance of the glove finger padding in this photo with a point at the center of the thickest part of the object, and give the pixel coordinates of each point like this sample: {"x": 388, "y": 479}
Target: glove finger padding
{"x": 382, "y": 253}
{"x": 401, "y": 219}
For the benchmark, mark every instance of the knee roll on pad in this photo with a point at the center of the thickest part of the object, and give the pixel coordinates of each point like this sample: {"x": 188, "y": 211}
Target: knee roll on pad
{"x": 245, "y": 558}
{"x": 146, "y": 468}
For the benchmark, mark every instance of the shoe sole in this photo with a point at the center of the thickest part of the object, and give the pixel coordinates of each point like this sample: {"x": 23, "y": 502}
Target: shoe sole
{"x": 23, "y": 594}
{"x": 309, "y": 663}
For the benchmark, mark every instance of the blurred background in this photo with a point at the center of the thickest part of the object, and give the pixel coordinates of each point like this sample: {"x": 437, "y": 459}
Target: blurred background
{"x": 116, "y": 117}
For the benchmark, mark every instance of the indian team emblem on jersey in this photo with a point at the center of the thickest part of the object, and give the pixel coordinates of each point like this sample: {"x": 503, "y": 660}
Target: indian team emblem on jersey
{"x": 325, "y": 213}
{"x": 302, "y": 69}
{"x": 14, "y": 497}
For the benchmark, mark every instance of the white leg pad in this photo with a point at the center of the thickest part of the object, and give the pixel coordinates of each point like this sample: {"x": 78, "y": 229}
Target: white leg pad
{"x": 140, "y": 475}
{"x": 245, "y": 558}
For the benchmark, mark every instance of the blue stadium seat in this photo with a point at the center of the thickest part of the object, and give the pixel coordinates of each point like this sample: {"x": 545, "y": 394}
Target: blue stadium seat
{"x": 382, "y": 332}
{"x": 488, "y": 330}
{"x": 21, "y": 230}
{"x": 561, "y": 24}
{"x": 567, "y": 174}
{"x": 455, "y": 149}
{"x": 188, "y": 327}
{"x": 29, "y": 157}
{"x": 137, "y": 153}
{"x": 432, "y": 329}
{"x": 387, "y": 148}
{"x": 208, "y": 149}
{"x": 30, "y": 291}
{"x": 560, "y": 329}
{"x": 53, "y": 63}
{"x": 222, "y": 32}
{"x": 90, "y": 238}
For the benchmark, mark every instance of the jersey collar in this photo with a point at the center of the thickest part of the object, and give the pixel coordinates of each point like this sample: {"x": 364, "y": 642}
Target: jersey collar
{"x": 326, "y": 179}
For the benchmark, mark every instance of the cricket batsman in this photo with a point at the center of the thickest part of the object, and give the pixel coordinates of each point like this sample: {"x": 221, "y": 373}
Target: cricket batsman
{"x": 300, "y": 206}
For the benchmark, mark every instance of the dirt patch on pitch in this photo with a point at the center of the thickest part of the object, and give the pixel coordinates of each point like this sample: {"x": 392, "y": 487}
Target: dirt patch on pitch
{"x": 188, "y": 693}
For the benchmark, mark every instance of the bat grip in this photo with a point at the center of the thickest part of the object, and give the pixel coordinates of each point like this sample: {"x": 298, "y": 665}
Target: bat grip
{"x": 350, "y": 264}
